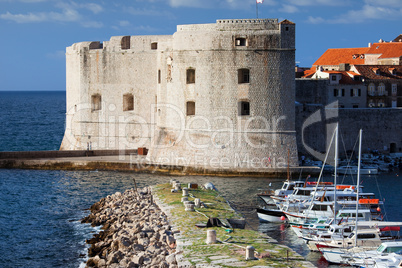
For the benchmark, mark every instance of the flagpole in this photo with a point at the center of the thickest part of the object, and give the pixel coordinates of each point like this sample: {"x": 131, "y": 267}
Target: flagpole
{"x": 256, "y": 7}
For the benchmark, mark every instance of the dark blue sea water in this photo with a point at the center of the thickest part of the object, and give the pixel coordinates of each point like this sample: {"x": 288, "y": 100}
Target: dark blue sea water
{"x": 31, "y": 120}
{"x": 40, "y": 211}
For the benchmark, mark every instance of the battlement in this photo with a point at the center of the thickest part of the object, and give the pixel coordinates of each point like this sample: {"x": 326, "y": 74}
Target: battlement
{"x": 233, "y": 24}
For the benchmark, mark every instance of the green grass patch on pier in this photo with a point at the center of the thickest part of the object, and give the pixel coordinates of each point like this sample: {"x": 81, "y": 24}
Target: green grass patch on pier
{"x": 231, "y": 243}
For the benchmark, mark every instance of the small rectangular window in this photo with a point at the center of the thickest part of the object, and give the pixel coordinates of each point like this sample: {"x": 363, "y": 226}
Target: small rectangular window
{"x": 96, "y": 102}
{"x": 128, "y": 102}
{"x": 190, "y": 76}
{"x": 125, "y": 42}
{"x": 240, "y": 42}
{"x": 154, "y": 45}
{"x": 159, "y": 76}
{"x": 244, "y": 108}
{"x": 190, "y": 108}
{"x": 333, "y": 77}
{"x": 336, "y": 92}
{"x": 243, "y": 76}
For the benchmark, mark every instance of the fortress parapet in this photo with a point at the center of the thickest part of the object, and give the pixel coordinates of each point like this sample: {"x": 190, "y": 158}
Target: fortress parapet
{"x": 216, "y": 95}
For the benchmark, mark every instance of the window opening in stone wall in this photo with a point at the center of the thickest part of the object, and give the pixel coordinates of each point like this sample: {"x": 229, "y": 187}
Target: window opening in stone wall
{"x": 286, "y": 28}
{"x": 243, "y": 76}
{"x": 159, "y": 76}
{"x": 244, "y": 108}
{"x": 128, "y": 102}
{"x": 336, "y": 92}
{"x": 125, "y": 42}
{"x": 190, "y": 108}
{"x": 241, "y": 42}
{"x": 394, "y": 89}
{"x": 381, "y": 89}
{"x": 333, "y": 77}
{"x": 343, "y": 92}
{"x": 96, "y": 102}
{"x": 352, "y": 92}
{"x": 359, "y": 92}
{"x": 154, "y": 45}
{"x": 190, "y": 76}
{"x": 371, "y": 89}
{"x": 355, "y": 106}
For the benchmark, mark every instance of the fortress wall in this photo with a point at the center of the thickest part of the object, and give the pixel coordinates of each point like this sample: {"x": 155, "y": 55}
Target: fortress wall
{"x": 381, "y": 127}
{"x": 216, "y": 131}
{"x": 154, "y": 70}
{"x": 111, "y": 72}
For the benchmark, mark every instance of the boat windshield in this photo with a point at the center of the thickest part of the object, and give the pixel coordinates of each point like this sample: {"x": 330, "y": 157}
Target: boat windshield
{"x": 285, "y": 186}
{"x": 381, "y": 248}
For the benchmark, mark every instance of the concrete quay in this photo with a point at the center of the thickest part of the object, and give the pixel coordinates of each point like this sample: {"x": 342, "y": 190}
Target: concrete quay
{"x": 231, "y": 246}
{"x": 128, "y": 161}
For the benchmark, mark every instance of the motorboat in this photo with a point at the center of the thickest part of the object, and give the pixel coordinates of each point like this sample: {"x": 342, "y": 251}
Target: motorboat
{"x": 364, "y": 170}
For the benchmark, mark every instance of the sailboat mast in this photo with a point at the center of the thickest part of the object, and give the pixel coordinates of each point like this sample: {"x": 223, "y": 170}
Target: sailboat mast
{"x": 335, "y": 171}
{"x": 358, "y": 183}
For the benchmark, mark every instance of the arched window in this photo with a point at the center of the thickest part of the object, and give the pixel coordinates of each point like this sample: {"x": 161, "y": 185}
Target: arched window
{"x": 371, "y": 89}
{"x": 128, "y": 102}
{"x": 96, "y": 102}
{"x": 381, "y": 89}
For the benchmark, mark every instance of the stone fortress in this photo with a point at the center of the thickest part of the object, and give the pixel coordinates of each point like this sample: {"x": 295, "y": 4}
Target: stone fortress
{"x": 217, "y": 95}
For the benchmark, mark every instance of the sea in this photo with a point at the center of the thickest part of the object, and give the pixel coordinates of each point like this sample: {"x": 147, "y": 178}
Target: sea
{"x": 41, "y": 210}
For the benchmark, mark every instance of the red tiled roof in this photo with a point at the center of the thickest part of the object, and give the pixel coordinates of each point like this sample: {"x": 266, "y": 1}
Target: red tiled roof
{"x": 398, "y": 39}
{"x": 367, "y": 71}
{"x": 286, "y": 22}
{"x": 309, "y": 73}
{"x": 336, "y": 56}
{"x": 387, "y": 50}
{"x": 353, "y": 73}
{"x": 346, "y": 79}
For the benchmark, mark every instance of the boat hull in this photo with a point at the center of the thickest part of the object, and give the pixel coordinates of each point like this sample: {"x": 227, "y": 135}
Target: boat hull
{"x": 270, "y": 215}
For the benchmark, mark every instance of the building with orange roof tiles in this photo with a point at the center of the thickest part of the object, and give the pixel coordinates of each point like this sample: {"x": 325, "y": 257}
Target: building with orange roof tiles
{"x": 384, "y": 54}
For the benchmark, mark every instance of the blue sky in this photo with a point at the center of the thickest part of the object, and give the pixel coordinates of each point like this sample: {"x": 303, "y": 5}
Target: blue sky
{"x": 35, "y": 33}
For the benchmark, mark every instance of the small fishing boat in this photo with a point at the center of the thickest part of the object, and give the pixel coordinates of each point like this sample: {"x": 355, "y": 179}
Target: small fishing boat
{"x": 364, "y": 170}
{"x": 270, "y": 215}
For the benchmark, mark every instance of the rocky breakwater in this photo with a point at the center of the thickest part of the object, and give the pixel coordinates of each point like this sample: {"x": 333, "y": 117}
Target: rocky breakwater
{"x": 135, "y": 232}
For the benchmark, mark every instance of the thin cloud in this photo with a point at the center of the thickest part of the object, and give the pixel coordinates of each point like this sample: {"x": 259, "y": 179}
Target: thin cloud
{"x": 317, "y": 2}
{"x": 59, "y": 54}
{"x": 69, "y": 13}
{"x": 368, "y": 12}
{"x": 233, "y": 4}
{"x": 149, "y": 12}
{"x": 67, "y": 16}
{"x": 289, "y": 9}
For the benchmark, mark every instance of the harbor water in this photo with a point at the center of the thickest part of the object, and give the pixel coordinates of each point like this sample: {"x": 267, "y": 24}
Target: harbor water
{"x": 40, "y": 211}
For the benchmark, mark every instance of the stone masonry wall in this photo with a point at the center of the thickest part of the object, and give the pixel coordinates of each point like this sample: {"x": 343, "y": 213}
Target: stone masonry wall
{"x": 381, "y": 128}
{"x": 153, "y": 69}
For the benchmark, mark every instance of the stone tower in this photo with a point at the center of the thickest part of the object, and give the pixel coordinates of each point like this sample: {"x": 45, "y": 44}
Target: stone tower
{"x": 215, "y": 96}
